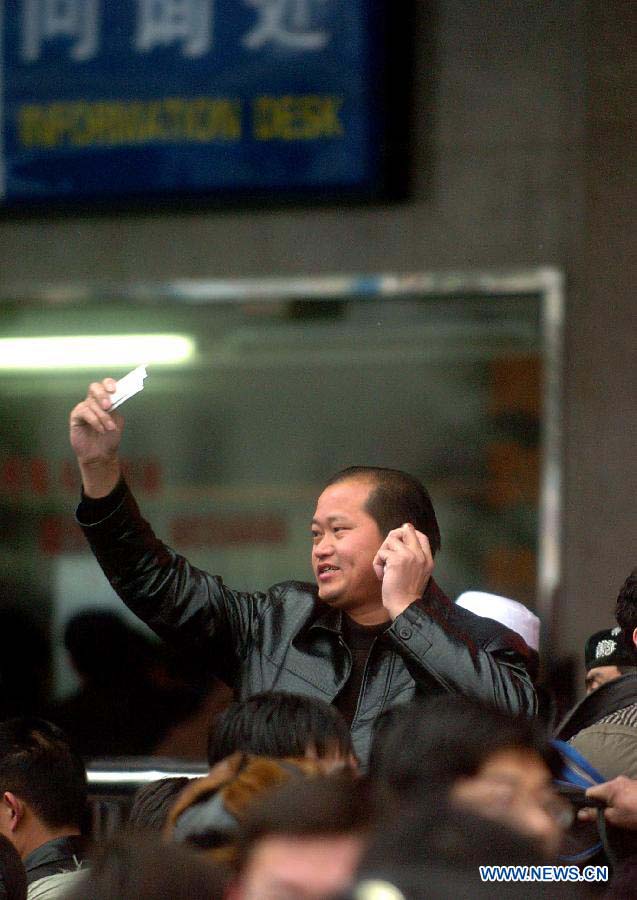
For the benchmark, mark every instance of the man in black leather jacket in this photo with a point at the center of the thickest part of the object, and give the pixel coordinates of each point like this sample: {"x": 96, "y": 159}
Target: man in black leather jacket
{"x": 374, "y": 630}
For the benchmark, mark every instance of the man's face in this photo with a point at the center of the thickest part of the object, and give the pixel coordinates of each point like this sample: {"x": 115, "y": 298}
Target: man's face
{"x": 600, "y": 675}
{"x": 300, "y": 868}
{"x": 514, "y": 786}
{"x": 345, "y": 539}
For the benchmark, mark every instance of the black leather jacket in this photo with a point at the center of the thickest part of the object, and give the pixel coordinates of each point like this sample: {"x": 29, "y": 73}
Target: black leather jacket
{"x": 287, "y": 639}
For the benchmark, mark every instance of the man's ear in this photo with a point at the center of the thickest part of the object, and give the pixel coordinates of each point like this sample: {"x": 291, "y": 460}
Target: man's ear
{"x": 12, "y": 810}
{"x": 635, "y": 637}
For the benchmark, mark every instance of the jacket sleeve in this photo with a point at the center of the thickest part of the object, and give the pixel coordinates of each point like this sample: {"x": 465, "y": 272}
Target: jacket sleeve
{"x": 435, "y": 640}
{"x": 184, "y": 605}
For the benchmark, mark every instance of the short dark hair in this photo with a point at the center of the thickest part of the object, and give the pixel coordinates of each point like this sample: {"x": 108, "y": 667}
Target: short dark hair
{"x": 152, "y": 802}
{"x": 308, "y": 807}
{"x": 278, "y": 724}
{"x": 429, "y": 744}
{"x": 626, "y": 611}
{"x": 38, "y": 765}
{"x": 396, "y": 498}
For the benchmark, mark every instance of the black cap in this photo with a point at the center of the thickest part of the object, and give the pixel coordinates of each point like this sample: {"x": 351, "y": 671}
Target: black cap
{"x": 606, "y": 648}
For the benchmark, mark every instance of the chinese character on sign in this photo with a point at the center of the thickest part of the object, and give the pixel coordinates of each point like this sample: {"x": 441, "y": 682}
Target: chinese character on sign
{"x": 45, "y": 20}
{"x": 163, "y": 22}
{"x": 287, "y": 23}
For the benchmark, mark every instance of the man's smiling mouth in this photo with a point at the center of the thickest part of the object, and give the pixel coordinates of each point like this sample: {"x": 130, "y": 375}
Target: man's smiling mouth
{"x": 325, "y": 570}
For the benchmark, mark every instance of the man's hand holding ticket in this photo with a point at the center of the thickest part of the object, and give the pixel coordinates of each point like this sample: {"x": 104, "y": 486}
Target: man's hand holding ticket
{"x": 96, "y": 430}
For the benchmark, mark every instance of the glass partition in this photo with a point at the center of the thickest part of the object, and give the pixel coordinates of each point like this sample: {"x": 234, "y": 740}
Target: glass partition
{"x": 453, "y": 378}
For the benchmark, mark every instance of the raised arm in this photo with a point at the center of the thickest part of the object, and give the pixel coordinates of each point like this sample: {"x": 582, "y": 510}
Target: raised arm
{"x": 181, "y": 603}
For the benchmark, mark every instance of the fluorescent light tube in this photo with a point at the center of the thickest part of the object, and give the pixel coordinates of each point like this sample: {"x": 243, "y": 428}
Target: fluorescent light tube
{"x": 95, "y": 351}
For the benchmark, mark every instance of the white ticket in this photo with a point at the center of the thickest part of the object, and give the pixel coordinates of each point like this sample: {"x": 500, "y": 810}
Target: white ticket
{"x": 128, "y": 386}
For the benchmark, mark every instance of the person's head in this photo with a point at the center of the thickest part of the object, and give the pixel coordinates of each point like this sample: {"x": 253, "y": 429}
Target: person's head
{"x": 152, "y": 802}
{"x": 626, "y": 611}
{"x": 435, "y": 850}
{"x": 42, "y": 784}
{"x": 208, "y": 812}
{"x": 13, "y": 877}
{"x": 354, "y": 513}
{"x": 607, "y": 658}
{"x": 450, "y": 746}
{"x": 279, "y": 724}
{"x": 103, "y": 647}
{"x": 514, "y": 786}
{"x": 513, "y": 615}
{"x": 304, "y": 843}
{"x": 141, "y": 866}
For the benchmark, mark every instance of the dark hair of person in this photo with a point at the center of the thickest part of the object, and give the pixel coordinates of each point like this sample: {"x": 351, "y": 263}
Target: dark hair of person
{"x": 152, "y": 802}
{"x": 317, "y": 807}
{"x": 396, "y": 498}
{"x": 278, "y": 724}
{"x": 104, "y": 647}
{"x": 38, "y": 765}
{"x": 13, "y": 877}
{"x": 427, "y": 745}
{"x": 626, "y": 611}
{"x": 140, "y": 866}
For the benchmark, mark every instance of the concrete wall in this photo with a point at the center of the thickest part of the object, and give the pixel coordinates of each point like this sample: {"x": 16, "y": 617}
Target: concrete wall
{"x": 516, "y": 163}
{"x": 601, "y": 364}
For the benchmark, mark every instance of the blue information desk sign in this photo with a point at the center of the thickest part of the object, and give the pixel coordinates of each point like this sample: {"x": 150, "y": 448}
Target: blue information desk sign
{"x": 109, "y": 99}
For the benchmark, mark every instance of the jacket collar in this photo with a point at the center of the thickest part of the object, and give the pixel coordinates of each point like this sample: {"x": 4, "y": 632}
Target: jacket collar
{"x": 55, "y": 853}
{"x": 328, "y": 619}
{"x": 607, "y": 699}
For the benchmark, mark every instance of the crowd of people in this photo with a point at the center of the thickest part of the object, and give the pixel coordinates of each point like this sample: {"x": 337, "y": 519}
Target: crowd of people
{"x": 286, "y": 813}
{"x": 377, "y": 741}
